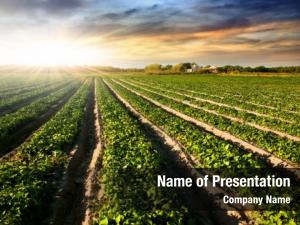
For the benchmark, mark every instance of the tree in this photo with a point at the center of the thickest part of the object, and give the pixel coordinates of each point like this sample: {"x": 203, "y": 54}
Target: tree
{"x": 186, "y": 66}
{"x": 178, "y": 68}
{"x": 153, "y": 68}
{"x": 167, "y": 67}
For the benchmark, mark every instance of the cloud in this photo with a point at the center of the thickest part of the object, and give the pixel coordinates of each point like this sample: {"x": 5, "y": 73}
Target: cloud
{"x": 154, "y": 6}
{"x": 255, "y": 10}
{"x": 121, "y": 15}
{"x": 235, "y": 22}
{"x": 193, "y": 17}
{"x": 46, "y": 6}
{"x": 165, "y": 28}
{"x": 240, "y": 40}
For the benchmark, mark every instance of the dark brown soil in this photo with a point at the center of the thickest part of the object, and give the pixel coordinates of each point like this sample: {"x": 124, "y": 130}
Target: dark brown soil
{"x": 79, "y": 186}
{"x": 28, "y": 100}
{"x": 181, "y": 165}
{"x": 8, "y": 150}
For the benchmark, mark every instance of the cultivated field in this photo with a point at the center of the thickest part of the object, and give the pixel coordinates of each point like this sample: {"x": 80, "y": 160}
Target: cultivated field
{"x": 87, "y": 149}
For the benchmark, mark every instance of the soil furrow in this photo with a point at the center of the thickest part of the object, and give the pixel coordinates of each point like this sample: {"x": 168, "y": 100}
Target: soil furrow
{"x": 273, "y": 159}
{"x": 27, "y": 89}
{"x": 70, "y": 204}
{"x": 183, "y": 165}
{"x": 27, "y": 130}
{"x": 279, "y": 133}
{"x": 93, "y": 184}
{"x": 239, "y": 96}
{"x": 223, "y": 105}
{"x": 26, "y": 101}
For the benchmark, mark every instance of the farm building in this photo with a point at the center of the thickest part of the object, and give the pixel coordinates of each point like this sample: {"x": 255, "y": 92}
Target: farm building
{"x": 194, "y": 68}
{"x": 208, "y": 69}
{"x": 213, "y": 69}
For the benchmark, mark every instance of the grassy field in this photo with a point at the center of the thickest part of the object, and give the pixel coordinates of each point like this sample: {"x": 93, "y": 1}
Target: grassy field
{"x": 87, "y": 149}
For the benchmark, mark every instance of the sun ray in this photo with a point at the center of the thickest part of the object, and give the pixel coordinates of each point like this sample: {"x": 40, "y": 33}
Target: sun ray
{"x": 52, "y": 53}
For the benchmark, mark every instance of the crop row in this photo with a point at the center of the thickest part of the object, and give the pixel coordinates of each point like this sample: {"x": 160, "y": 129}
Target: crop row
{"x": 222, "y": 112}
{"x": 284, "y": 148}
{"x": 233, "y": 106}
{"x": 11, "y": 122}
{"x": 210, "y": 151}
{"x": 9, "y": 103}
{"x": 252, "y": 90}
{"x": 129, "y": 166}
{"x": 27, "y": 89}
{"x": 14, "y": 84}
{"x": 288, "y": 106}
{"x": 29, "y": 180}
{"x": 291, "y": 128}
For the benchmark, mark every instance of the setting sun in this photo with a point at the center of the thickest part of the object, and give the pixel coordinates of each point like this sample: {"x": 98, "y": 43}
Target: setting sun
{"x": 48, "y": 53}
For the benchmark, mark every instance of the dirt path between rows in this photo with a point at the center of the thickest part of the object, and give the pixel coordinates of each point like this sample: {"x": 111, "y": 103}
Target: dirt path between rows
{"x": 182, "y": 165}
{"x": 273, "y": 159}
{"x": 279, "y": 133}
{"x": 239, "y": 96}
{"x": 93, "y": 187}
{"x": 79, "y": 187}
{"x": 26, "y": 131}
{"x": 270, "y": 107}
{"x": 26, "y": 89}
{"x": 26, "y": 101}
{"x": 227, "y": 106}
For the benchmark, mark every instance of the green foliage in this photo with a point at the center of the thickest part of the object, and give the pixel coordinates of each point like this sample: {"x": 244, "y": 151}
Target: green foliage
{"x": 230, "y": 69}
{"x": 11, "y": 102}
{"x": 11, "y": 122}
{"x": 211, "y": 152}
{"x": 29, "y": 181}
{"x": 262, "y": 69}
{"x": 281, "y": 146}
{"x": 130, "y": 164}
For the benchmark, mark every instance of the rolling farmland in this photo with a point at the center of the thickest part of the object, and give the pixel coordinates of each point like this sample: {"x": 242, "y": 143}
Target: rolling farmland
{"x": 87, "y": 149}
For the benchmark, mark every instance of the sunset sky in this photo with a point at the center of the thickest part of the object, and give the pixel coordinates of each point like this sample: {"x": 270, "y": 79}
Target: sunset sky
{"x": 135, "y": 33}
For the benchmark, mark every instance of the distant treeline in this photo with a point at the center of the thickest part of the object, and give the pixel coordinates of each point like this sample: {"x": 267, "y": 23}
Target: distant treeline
{"x": 188, "y": 67}
{"x": 195, "y": 68}
{"x": 279, "y": 69}
{"x": 178, "y": 68}
{"x": 116, "y": 69}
